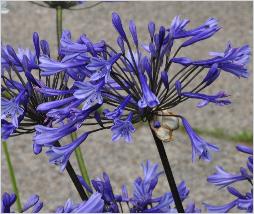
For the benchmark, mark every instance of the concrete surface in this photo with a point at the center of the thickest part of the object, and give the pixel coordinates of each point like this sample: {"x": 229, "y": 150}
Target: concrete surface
{"x": 121, "y": 161}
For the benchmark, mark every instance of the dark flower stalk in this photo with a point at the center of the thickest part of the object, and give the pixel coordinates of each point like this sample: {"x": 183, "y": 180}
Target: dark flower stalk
{"x": 168, "y": 172}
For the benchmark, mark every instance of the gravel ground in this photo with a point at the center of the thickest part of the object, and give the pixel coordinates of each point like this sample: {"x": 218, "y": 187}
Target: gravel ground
{"x": 121, "y": 161}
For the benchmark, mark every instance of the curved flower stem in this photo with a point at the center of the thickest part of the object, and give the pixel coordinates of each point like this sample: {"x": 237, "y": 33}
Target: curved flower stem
{"x": 81, "y": 162}
{"x": 12, "y": 175}
{"x": 168, "y": 172}
{"x": 59, "y": 24}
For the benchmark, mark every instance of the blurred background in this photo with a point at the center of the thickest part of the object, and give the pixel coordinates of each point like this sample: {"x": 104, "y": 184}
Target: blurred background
{"x": 223, "y": 126}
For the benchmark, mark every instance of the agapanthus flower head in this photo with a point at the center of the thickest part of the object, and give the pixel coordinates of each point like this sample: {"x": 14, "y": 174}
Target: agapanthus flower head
{"x": 133, "y": 84}
{"x": 222, "y": 178}
{"x": 62, "y": 4}
{"x": 142, "y": 196}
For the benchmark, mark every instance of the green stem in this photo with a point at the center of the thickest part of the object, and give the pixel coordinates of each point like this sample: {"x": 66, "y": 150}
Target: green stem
{"x": 12, "y": 175}
{"x": 81, "y": 162}
{"x": 59, "y": 23}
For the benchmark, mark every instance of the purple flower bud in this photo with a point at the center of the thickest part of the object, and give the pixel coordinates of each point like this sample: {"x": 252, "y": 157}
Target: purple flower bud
{"x": 220, "y": 208}
{"x": 178, "y": 87}
{"x": 161, "y": 34}
{"x": 13, "y": 54}
{"x": 151, "y": 29}
{"x": 156, "y": 124}
{"x": 152, "y": 49}
{"x": 116, "y": 20}
{"x": 201, "y": 36}
{"x": 30, "y": 202}
{"x": 37, "y": 148}
{"x": 164, "y": 78}
{"x": 125, "y": 194}
{"x": 182, "y": 60}
{"x": 212, "y": 74}
{"x": 7, "y": 201}
{"x": 132, "y": 28}
{"x": 147, "y": 66}
{"x": 37, "y": 207}
{"x": 245, "y": 149}
{"x": 45, "y": 47}
{"x": 36, "y": 41}
{"x": 121, "y": 44}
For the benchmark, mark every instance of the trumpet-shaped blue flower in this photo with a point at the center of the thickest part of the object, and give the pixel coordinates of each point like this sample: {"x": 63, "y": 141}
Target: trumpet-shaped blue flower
{"x": 89, "y": 93}
{"x": 60, "y": 155}
{"x": 102, "y": 67}
{"x": 162, "y": 206}
{"x": 223, "y": 178}
{"x": 118, "y": 111}
{"x": 48, "y": 135}
{"x": 123, "y": 128}
{"x": 11, "y": 58}
{"x": 233, "y": 60}
{"x": 143, "y": 190}
{"x": 50, "y": 66}
{"x": 206, "y": 99}
{"x": 199, "y": 146}
{"x": 148, "y": 99}
{"x": 93, "y": 205}
{"x": 6, "y": 129}
{"x": 104, "y": 187}
{"x": 191, "y": 208}
{"x": 12, "y": 109}
{"x": 220, "y": 208}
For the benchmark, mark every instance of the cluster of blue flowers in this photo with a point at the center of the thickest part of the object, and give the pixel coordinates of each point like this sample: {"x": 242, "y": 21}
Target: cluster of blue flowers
{"x": 103, "y": 199}
{"x": 94, "y": 85}
{"x": 54, "y": 98}
{"x": 222, "y": 179}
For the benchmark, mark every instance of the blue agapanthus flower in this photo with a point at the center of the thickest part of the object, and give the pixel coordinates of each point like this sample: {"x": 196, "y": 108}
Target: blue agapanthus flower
{"x": 33, "y": 202}
{"x": 142, "y": 198}
{"x": 104, "y": 199}
{"x": 12, "y": 108}
{"x": 94, "y": 204}
{"x": 243, "y": 202}
{"x": 133, "y": 83}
